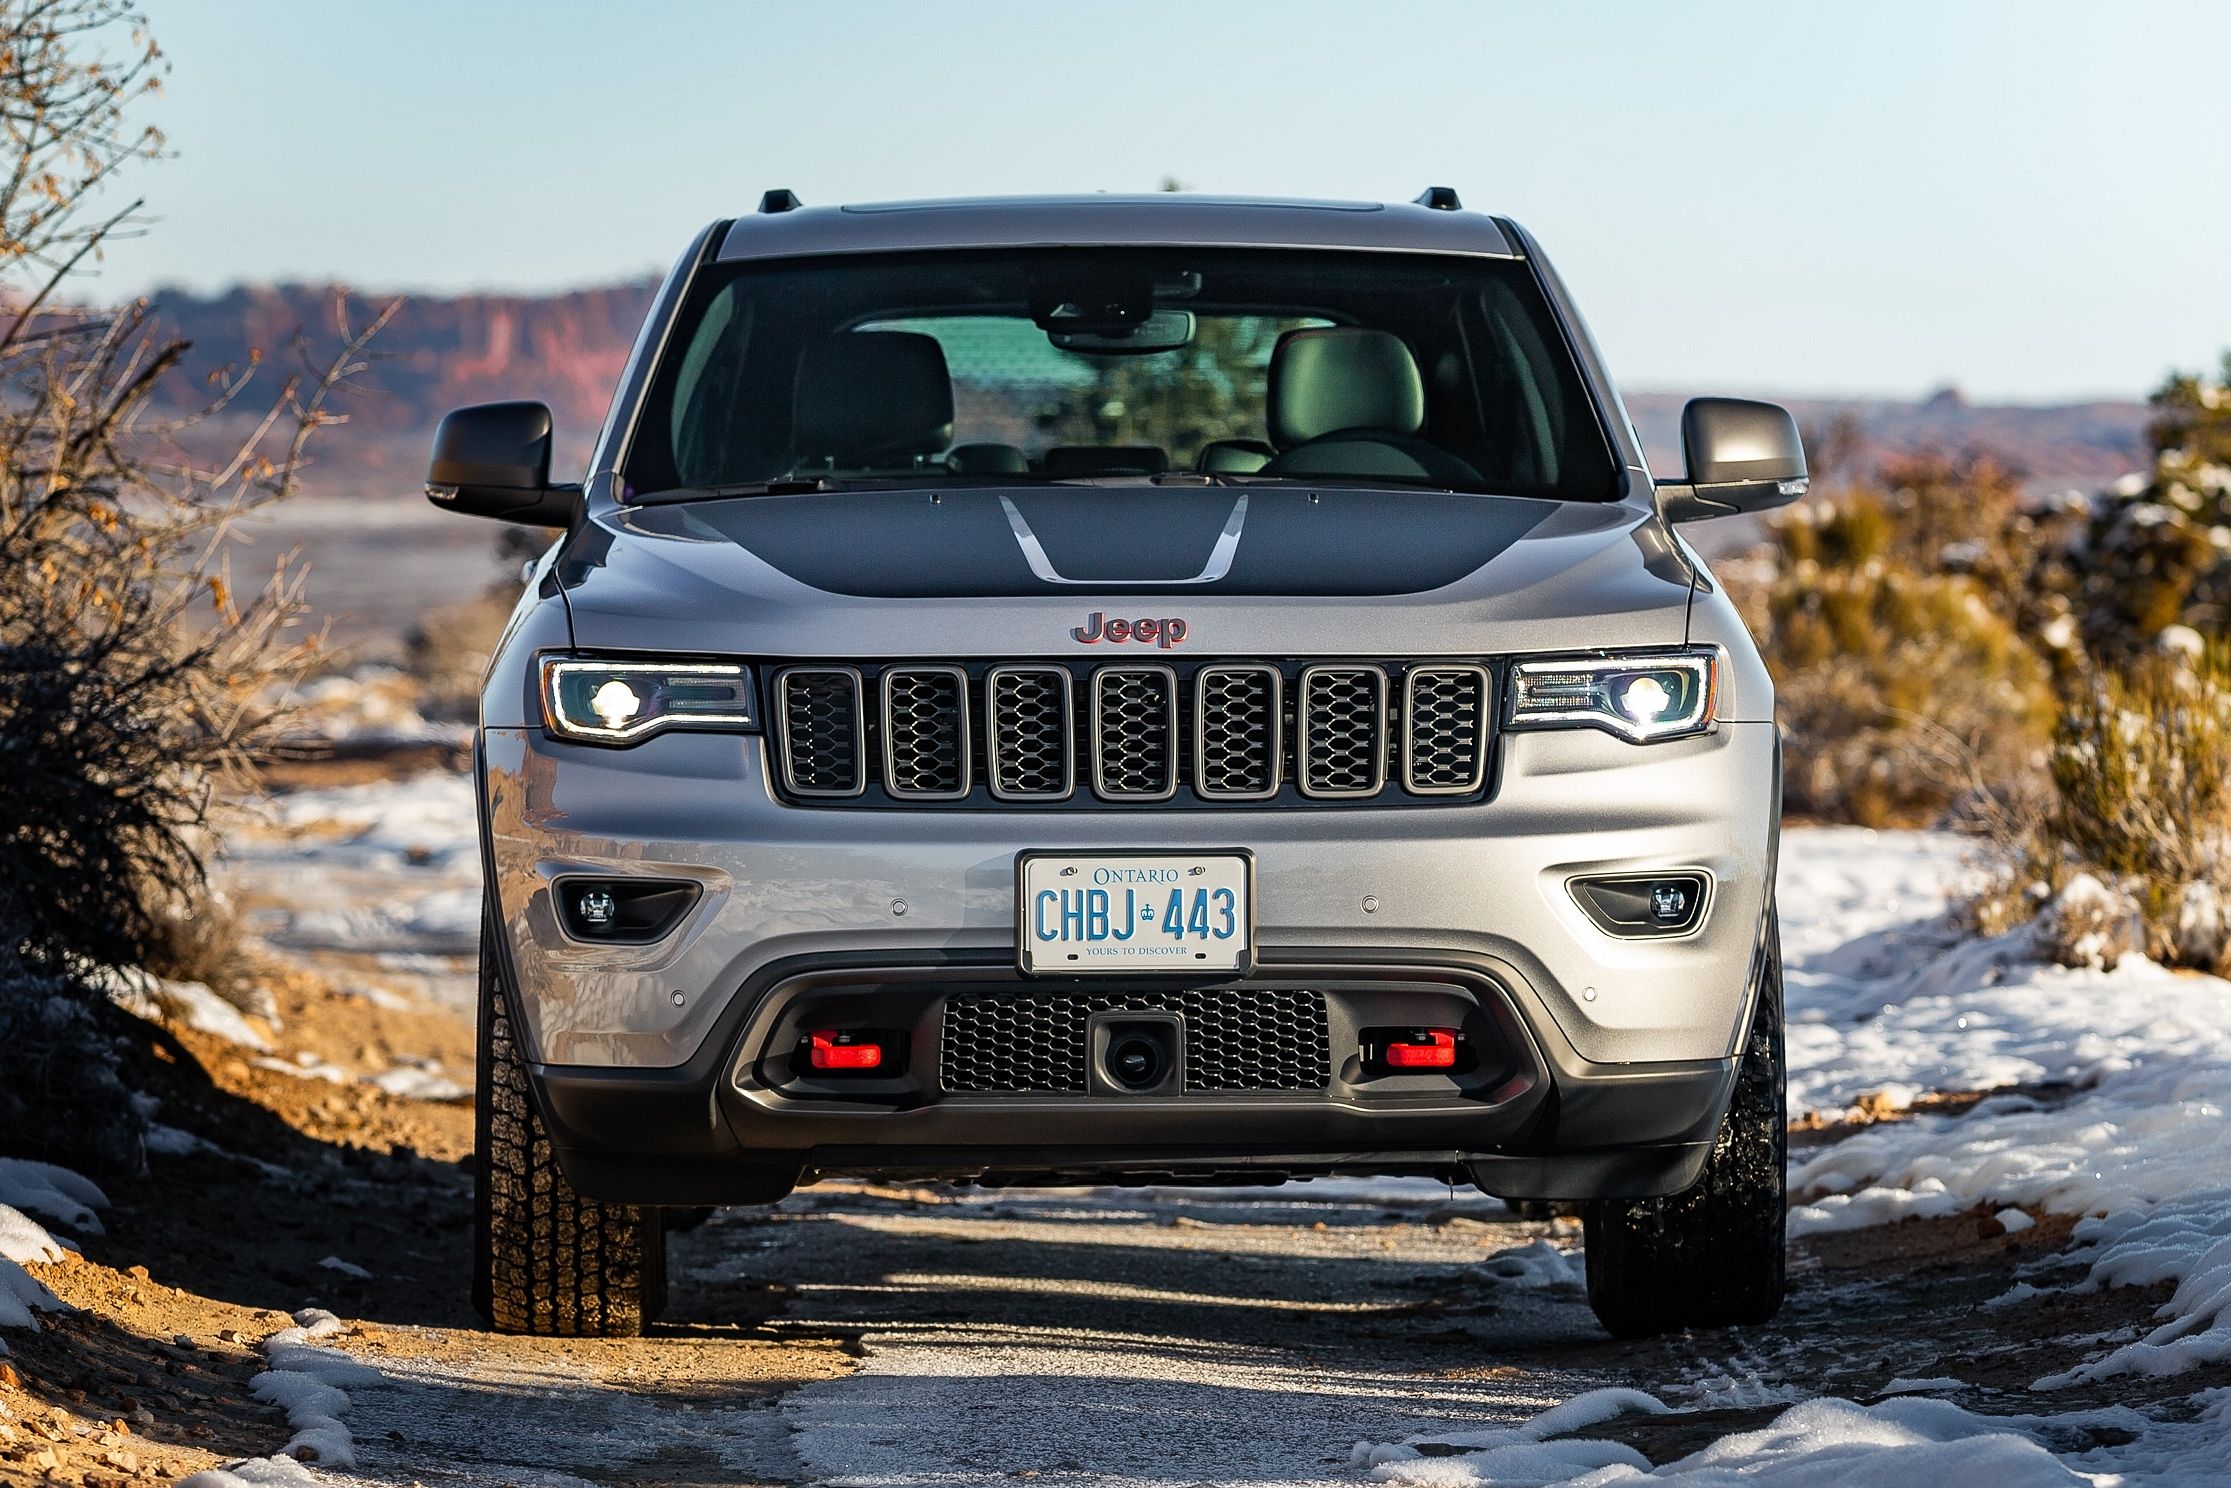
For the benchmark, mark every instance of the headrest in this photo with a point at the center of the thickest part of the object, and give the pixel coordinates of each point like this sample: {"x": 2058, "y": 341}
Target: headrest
{"x": 1083, "y": 461}
{"x": 1329, "y": 378}
{"x": 1233, "y": 456}
{"x": 873, "y": 398}
{"x": 987, "y": 459}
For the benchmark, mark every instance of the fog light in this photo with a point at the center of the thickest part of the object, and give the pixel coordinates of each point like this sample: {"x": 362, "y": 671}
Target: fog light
{"x": 1642, "y": 906}
{"x": 621, "y": 911}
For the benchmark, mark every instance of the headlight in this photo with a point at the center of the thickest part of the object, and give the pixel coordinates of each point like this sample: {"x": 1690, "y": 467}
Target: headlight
{"x": 1644, "y": 697}
{"x": 621, "y": 702}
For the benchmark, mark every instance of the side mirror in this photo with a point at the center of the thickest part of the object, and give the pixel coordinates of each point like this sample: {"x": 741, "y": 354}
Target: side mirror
{"x": 493, "y": 460}
{"x": 1743, "y": 457}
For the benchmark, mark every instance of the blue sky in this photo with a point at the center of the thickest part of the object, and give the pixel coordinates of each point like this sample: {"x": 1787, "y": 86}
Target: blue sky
{"x": 2030, "y": 199}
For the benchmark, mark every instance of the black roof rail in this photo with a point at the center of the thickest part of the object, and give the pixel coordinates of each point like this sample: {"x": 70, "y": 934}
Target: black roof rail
{"x": 781, "y": 199}
{"x": 1439, "y": 198}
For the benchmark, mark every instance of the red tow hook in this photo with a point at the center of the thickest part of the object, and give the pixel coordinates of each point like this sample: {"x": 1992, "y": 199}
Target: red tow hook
{"x": 1422, "y": 1048}
{"x": 835, "y": 1050}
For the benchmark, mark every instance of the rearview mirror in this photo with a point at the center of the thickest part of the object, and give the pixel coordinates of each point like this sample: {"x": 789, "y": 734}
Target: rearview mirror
{"x": 1742, "y": 456}
{"x": 493, "y": 460}
{"x": 1164, "y": 330}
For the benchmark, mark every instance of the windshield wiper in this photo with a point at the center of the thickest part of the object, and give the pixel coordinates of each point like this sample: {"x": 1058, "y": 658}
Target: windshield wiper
{"x": 783, "y": 485}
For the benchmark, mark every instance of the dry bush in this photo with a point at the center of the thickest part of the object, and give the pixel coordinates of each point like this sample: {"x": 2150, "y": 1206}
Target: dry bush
{"x": 135, "y": 674}
{"x": 1891, "y": 623}
{"x": 2131, "y": 824}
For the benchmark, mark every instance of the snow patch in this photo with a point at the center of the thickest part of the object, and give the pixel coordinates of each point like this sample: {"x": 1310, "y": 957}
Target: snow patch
{"x": 23, "y": 1238}
{"x": 59, "y": 1194}
{"x": 1820, "y": 1444}
{"x": 1538, "y": 1264}
{"x": 419, "y": 1079}
{"x": 1516, "y": 1455}
{"x": 305, "y": 1380}
{"x": 194, "y": 1004}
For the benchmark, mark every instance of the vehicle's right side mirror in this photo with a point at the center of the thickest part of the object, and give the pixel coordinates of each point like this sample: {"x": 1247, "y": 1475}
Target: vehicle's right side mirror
{"x": 493, "y": 460}
{"x": 1743, "y": 457}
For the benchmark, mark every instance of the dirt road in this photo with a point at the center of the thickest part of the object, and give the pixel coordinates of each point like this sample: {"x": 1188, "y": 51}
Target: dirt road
{"x": 871, "y": 1335}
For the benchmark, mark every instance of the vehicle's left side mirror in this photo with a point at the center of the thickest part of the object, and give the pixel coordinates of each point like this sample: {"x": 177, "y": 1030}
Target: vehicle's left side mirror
{"x": 1743, "y": 457}
{"x": 493, "y": 460}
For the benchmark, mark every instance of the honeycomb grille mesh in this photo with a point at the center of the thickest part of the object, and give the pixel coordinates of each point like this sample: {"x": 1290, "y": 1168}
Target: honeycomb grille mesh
{"x": 1236, "y": 1038}
{"x": 1135, "y": 744}
{"x": 821, "y": 731}
{"x": 1343, "y": 731}
{"x": 925, "y": 732}
{"x": 1028, "y": 737}
{"x": 1444, "y": 744}
{"x": 1236, "y": 732}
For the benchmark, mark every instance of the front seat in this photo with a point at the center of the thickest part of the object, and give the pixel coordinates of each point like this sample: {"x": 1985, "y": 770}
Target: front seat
{"x": 871, "y": 400}
{"x": 1348, "y": 401}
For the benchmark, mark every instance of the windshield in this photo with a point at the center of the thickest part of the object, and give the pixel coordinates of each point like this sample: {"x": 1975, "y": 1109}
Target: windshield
{"x": 1097, "y": 365}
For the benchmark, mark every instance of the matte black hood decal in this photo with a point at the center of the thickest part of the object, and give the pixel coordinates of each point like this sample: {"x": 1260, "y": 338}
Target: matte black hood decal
{"x": 1145, "y": 539}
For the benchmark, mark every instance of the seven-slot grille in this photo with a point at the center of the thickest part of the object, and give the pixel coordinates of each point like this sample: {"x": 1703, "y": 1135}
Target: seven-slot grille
{"x": 1221, "y": 733}
{"x": 1236, "y": 1038}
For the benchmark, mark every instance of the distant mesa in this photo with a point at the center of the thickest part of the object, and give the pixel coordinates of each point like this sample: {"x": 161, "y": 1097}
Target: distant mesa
{"x": 567, "y": 349}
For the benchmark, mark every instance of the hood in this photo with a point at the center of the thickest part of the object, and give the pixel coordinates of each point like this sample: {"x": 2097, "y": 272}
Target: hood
{"x": 1251, "y": 570}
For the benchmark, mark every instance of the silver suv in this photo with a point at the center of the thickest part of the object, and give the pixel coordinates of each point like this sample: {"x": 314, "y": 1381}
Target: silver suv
{"x": 1124, "y": 690}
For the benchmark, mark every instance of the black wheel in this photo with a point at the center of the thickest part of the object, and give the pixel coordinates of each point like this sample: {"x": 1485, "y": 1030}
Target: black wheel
{"x": 1712, "y": 1257}
{"x": 547, "y": 1259}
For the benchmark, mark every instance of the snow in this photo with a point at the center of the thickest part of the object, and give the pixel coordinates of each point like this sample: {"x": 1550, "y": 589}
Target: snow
{"x": 23, "y": 1238}
{"x": 58, "y": 1193}
{"x": 390, "y": 868}
{"x": 1538, "y": 1264}
{"x": 1516, "y": 1455}
{"x": 194, "y": 1004}
{"x": 306, "y": 1380}
{"x": 1819, "y": 1444}
{"x": 419, "y": 1078}
{"x": 256, "y": 1472}
{"x": 2110, "y": 1102}
{"x": 28, "y": 1188}
{"x": 371, "y": 705}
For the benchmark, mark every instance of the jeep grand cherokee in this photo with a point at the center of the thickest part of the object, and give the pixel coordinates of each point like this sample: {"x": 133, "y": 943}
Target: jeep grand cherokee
{"x": 1124, "y": 690}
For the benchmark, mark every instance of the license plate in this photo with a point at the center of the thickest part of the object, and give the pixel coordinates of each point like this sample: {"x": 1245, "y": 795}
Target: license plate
{"x": 1135, "y": 911}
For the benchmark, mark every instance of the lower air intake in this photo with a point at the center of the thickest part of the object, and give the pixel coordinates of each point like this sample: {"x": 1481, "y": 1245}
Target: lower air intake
{"x": 1236, "y": 1038}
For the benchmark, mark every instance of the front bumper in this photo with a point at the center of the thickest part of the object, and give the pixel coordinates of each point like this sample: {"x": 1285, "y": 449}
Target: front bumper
{"x": 1622, "y": 1049}
{"x": 1528, "y": 1120}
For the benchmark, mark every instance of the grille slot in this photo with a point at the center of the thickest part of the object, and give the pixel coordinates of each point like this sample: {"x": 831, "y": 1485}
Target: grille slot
{"x": 925, "y": 733}
{"x": 1134, "y": 735}
{"x": 1228, "y": 733}
{"x": 1027, "y": 748}
{"x": 1238, "y": 738}
{"x": 1444, "y": 730}
{"x": 1341, "y": 721}
{"x": 824, "y": 735}
{"x": 1236, "y": 1038}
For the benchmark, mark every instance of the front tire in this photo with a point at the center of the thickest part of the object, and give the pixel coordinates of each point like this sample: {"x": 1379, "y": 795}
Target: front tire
{"x": 546, "y": 1258}
{"x": 1715, "y": 1256}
